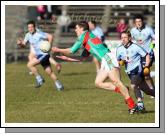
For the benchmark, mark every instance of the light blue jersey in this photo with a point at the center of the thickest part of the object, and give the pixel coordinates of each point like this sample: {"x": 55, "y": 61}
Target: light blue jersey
{"x": 143, "y": 37}
{"x": 35, "y": 40}
{"x": 98, "y": 32}
{"x": 132, "y": 55}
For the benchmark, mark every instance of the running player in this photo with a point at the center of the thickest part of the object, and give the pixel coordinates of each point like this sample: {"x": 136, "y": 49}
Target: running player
{"x": 31, "y": 55}
{"x": 131, "y": 54}
{"x": 144, "y": 36}
{"x": 109, "y": 65}
{"x": 51, "y": 60}
{"x": 35, "y": 37}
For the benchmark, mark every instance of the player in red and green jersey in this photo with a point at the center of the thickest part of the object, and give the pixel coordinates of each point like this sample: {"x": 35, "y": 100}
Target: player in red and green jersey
{"x": 109, "y": 65}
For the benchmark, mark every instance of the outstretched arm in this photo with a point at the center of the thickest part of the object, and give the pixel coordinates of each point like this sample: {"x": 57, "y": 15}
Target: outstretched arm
{"x": 63, "y": 51}
{"x": 147, "y": 60}
{"x": 21, "y": 42}
{"x": 77, "y": 45}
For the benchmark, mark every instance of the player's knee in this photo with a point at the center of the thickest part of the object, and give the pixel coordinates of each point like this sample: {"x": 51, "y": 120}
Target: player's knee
{"x": 28, "y": 65}
{"x": 117, "y": 82}
{"x": 29, "y": 58}
{"x": 49, "y": 72}
{"x": 132, "y": 86}
{"x": 97, "y": 84}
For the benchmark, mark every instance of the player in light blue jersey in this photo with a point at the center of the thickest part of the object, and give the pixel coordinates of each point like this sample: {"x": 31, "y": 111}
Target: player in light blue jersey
{"x": 32, "y": 55}
{"x": 34, "y": 38}
{"x": 131, "y": 54}
{"x": 144, "y": 36}
{"x": 97, "y": 31}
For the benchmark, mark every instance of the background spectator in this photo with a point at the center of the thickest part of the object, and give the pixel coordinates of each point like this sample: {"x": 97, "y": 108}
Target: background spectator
{"x": 121, "y": 26}
{"x": 64, "y": 21}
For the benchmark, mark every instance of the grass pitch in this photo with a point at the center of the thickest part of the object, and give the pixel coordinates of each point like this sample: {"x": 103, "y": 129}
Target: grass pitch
{"x": 80, "y": 102}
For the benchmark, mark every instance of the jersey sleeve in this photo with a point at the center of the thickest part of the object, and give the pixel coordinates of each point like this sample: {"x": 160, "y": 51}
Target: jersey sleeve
{"x": 26, "y": 38}
{"x": 141, "y": 51}
{"x": 100, "y": 33}
{"x": 118, "y": 55}
{"x": 43, "y": 35}
{"x": 76, "y": 46}
{"x": 152, "y": 33}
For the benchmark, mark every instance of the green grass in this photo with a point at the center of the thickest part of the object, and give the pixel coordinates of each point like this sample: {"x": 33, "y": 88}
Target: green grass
{"x": 80, "y": 102}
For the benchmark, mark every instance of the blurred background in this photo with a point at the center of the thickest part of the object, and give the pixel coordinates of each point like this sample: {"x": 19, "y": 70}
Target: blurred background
{"x": 60, "y": 22}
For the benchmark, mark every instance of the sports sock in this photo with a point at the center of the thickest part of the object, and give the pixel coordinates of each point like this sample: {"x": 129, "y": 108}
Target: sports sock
{"x": 117, "y": 90}
{"x": 130, "y": 102}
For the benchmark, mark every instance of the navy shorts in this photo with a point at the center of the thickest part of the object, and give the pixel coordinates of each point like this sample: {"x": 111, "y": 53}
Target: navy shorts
{"x": 44, "y": 60}
{"x": 136, "y": 75}
{"x": 152, "y": 59}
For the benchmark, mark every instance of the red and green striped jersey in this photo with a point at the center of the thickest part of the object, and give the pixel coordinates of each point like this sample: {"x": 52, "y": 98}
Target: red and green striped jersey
{"x": 91, "y": 43}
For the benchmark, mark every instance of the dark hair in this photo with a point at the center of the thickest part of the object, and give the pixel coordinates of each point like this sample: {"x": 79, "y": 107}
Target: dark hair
{"x": 138, "y": 17}
{"x": 31, "y": 22}
{"x": 93, "y": 22}
{"x": 126, "y": 32}
{"x": 84, "y": 25}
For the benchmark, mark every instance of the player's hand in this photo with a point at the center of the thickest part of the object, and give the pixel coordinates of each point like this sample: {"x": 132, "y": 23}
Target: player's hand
{"x": 55, "y": 49}
{"x": 20, "y": 42}
{"x": 146, "y": 71}
{"x": 152, "y": 45}
{"x": 122, "y": 62}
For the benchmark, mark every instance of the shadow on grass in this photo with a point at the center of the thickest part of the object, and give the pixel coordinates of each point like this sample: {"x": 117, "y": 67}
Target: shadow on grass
{"x": 149, "y": 111}
{"x": 75, "y": 73}
{"x": 79, "y": 89}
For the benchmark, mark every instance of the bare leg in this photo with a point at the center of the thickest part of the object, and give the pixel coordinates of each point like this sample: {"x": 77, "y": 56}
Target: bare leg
{"x": 114, "y": 75}
{"x": 30, "y": 57}
{"x": 31, "y": 65}
{"x": 100, "y": 78}
{"x": 52, "y": 61}
{"x": 51, "y": 73}
{"x": 97, "y": 64}
{"x": 57, "y": 65}
{"x": 58, "y": 84}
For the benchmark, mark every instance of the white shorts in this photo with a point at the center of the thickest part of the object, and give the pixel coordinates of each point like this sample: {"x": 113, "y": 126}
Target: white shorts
{"x": 109, "y": 61}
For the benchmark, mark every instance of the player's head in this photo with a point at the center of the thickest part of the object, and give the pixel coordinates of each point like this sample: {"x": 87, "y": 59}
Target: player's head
{"x": 125, "y": 37}
{"x": 138, "y": 21}
{"x": 81, "y": 27}
{"x": 92, "y": 25}
{"x": 31, "y": 26}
